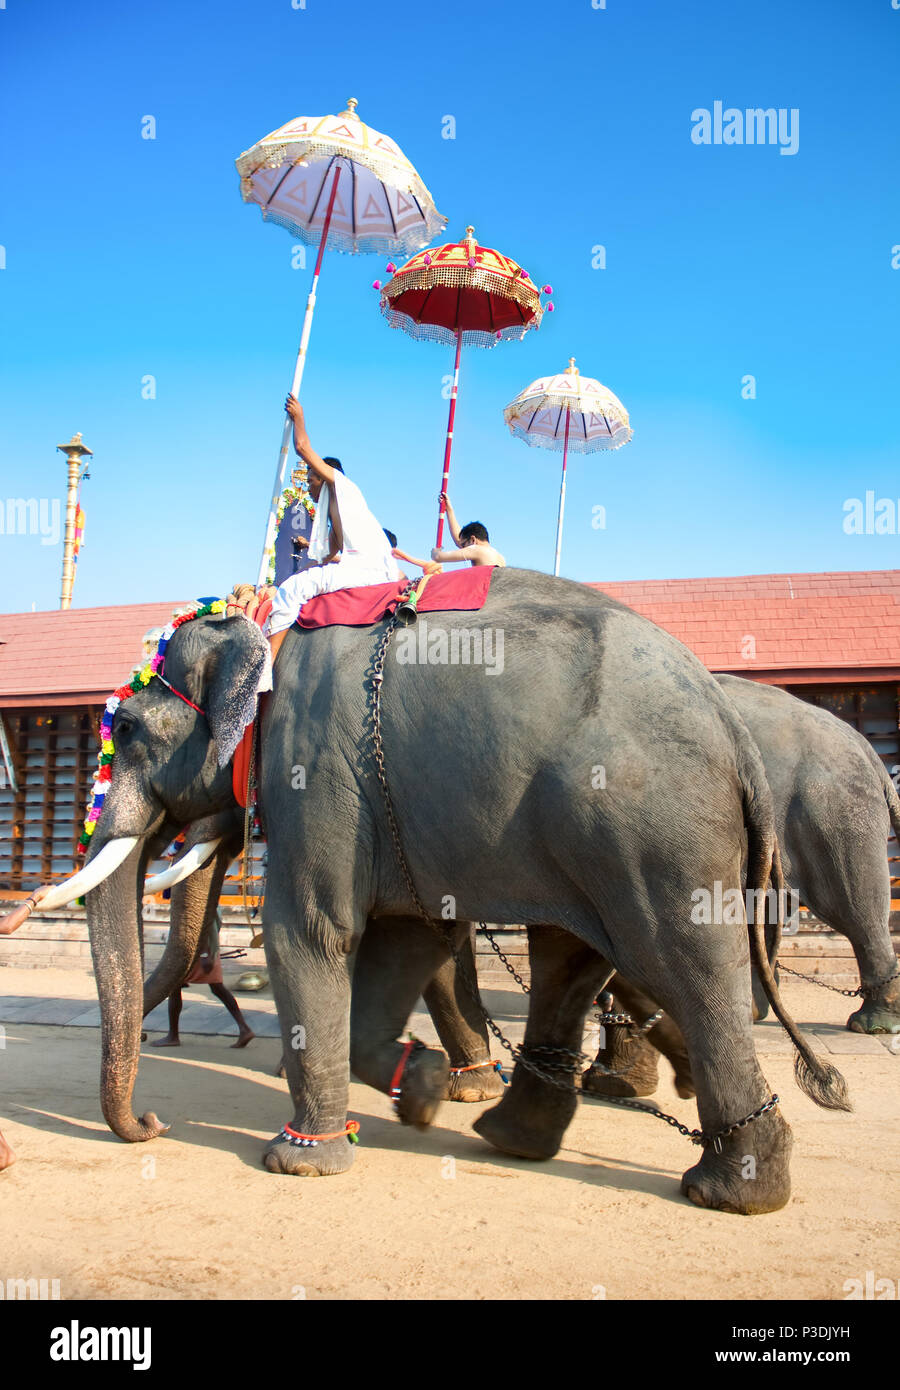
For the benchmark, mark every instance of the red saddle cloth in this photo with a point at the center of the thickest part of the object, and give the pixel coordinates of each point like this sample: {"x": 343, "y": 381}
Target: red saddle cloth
{"x": 454, "y": 591}
{"x": 461, "y": 591}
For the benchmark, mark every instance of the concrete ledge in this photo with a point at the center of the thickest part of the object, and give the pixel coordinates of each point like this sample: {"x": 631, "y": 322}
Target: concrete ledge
{"x": 59, "y": 940}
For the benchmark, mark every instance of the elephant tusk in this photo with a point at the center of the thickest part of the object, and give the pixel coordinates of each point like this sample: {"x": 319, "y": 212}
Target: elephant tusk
{"x": 106, "y": 863}
{"x": 188, "y": 864}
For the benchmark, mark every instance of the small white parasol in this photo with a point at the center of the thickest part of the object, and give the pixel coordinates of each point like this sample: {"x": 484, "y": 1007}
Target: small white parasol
{"x": 569, "y": 411}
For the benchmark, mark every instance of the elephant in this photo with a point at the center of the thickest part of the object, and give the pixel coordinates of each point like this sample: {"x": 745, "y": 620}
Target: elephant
{"x": 834, "y": 805}
{"x": 456, "y": 1016}
{"x": 590, "y": 781}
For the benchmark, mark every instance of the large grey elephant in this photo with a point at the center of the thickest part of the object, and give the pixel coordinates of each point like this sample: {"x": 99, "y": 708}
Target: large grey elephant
{"x": 456, "y": 1015}
{"x": 834, "y": 807}
{"x": 594, "y": 783}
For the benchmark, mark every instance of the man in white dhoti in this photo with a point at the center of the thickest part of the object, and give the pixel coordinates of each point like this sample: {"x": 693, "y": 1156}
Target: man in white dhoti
{"x": 347, "y": 547}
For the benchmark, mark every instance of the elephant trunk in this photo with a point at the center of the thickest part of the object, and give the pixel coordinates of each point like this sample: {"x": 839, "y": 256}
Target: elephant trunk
{"x": 113, "y": 913}
{"x": 192, "y": 910}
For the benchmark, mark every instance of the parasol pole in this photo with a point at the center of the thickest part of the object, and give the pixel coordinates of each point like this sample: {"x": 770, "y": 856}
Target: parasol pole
{"x": 449, "y": 444}
{"x": 562, "y": 495}
{"x": 295, "y": 390}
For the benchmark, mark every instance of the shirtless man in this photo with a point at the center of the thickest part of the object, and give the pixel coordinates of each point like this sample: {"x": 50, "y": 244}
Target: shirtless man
{"x": 472, "y": 542}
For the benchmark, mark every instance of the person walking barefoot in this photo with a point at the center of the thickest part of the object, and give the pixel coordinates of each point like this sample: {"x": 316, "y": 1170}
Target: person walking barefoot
{"x": 207, "y": 970}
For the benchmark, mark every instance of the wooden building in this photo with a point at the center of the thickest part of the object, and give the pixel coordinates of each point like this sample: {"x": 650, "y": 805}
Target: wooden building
{"x": 830, "y": 638}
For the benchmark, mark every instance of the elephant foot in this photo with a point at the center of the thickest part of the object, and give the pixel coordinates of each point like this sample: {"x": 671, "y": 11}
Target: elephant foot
{"x": 528, "y": 1122}
{"x": 622, "y": 1052}
{"x": 322, "y": 1161}
{"x": 423, "y": 1085}
{"x": 752, "y": 1173}
{"x": 475, "y": 1084}
{"x": 7, "y": 1157}
{"x": 876, "y": 1016}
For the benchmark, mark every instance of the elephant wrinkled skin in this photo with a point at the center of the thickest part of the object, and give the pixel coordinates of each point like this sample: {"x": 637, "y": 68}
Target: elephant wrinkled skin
{"x": 501, "y": 811}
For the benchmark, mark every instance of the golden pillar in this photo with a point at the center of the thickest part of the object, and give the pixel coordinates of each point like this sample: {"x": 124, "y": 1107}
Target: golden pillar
{"x": 74, "y": 452}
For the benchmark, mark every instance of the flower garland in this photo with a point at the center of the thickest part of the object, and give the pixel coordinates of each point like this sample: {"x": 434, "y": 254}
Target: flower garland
{"x": 290, "y": 495}
{"x": 139, "y": 681}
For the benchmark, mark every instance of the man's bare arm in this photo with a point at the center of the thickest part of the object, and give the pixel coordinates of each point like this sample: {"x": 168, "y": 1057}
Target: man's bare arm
{"x": 302, "y": 445}
{"x": 453, "y": 557}
{"x": 19, "y": 915}
{"x": 428, "y": 566}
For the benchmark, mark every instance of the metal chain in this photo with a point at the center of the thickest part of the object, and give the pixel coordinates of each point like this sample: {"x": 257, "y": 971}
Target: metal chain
{"x": 603, "y": 1018}
{"x": 847, "y": 993}
{"x": 696, "y": 1136}
{"x": 526, "y": 989}
{"x": 518, "y": 1054}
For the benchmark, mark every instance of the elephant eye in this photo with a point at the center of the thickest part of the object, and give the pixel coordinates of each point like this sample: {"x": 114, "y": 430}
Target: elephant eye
{"x": 125, "y": 724}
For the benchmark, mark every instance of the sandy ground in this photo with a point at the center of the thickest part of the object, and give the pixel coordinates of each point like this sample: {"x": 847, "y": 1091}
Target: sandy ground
{"x": 434, "y": 1215}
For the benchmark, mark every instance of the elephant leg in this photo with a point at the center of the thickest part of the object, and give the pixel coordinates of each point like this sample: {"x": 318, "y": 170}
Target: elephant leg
{"x": 397, "y": 958}
{"x": 462, "y": 1030}
{"x": 639, "y": 1055}
{"x": 853, "y": 895}
{"x": 309, "y": 967}
{"x": 192, "y": 911}
{"x": 748, "y": 1170}
{"x": 865, "y": 922}
{"x": 533, "y": 1115}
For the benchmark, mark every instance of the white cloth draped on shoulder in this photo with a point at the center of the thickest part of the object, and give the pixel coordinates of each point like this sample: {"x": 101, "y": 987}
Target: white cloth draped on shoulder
{"x": 365, "y": 559}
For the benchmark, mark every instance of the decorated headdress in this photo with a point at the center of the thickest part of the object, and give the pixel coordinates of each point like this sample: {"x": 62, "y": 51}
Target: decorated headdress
{"x": 154, "y": 667}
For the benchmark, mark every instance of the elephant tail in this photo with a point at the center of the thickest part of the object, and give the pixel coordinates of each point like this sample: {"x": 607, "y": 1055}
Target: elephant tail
{"x": 822, "y": 1082}
{"x": 891, "y": 797}
{"x": 887, "y": 786}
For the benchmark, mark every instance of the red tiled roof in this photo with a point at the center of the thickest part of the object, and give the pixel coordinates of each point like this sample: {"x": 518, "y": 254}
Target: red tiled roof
{"x": 803, "y": 627}
{"x": 73, "y": 656}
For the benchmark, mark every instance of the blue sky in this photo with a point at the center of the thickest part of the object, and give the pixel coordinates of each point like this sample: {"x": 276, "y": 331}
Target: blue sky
{"x": 127, "y": 257}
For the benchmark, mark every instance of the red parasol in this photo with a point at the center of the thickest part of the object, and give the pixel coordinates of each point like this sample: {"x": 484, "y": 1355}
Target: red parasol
{"x": 461, "y": 294}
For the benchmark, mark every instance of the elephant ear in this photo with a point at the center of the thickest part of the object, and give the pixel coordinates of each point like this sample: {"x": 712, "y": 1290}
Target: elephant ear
{"x": 238, "y": 664}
